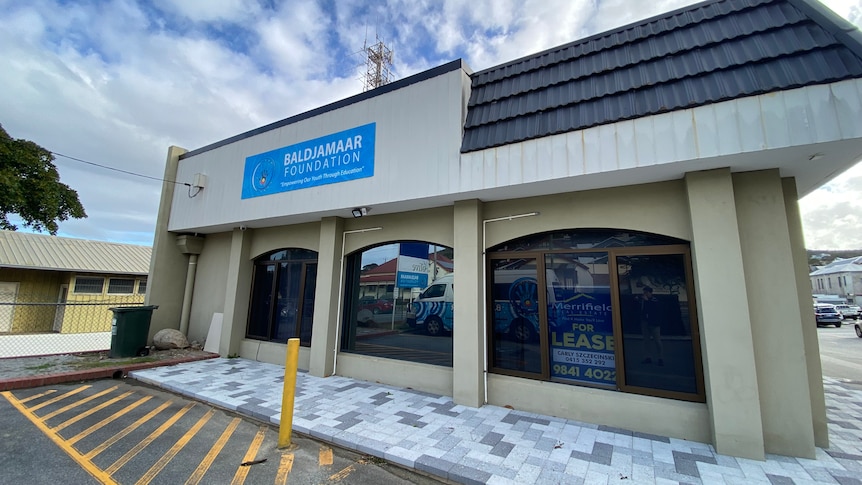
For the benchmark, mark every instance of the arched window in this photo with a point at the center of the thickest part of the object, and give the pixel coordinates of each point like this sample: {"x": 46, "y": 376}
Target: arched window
{"x": 282, "y": 296}
{"x": 398, "y": 302}
{"x": 596, "y": 307}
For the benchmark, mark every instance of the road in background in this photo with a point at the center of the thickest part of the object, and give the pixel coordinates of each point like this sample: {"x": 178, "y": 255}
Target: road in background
{"x": 841, "y": 352}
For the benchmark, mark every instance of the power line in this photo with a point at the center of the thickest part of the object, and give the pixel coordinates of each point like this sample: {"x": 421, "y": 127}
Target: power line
{"x": 120, "y": 170}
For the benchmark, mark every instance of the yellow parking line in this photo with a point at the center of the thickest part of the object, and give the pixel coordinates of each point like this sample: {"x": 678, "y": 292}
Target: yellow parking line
{"x": 342, "y": 474}
{"x": 242, "y": 471}
{"x": 89, "y": 412}
{"x": 167, "y": 457}
{"x": 78, "y": 403}
{"x": 86, "y": 464}
{"x": 37, "y": 396}
{"x": 284, "y": 469}
{"x": 149, "y": 439}
{"x": 325, "y": 457}
{"x": 204, "y": 465}
{"x": 117, "y": 437}
{"x": 109, "y": 419}
{"x": 58, "y": 398}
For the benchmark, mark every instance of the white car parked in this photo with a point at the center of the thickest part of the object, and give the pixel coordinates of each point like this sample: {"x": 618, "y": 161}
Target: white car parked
{"x": 849, "y": 311}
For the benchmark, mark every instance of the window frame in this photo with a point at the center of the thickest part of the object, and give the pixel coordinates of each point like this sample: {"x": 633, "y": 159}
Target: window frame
{"x": 130, "y": 281}
{"x": 353, "y": 290}
{"x": 101, "y": 285}
{"x": 612, "y": 252}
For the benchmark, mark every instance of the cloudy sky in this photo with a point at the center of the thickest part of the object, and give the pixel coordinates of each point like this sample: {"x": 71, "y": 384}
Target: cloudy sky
{"x": 115, "y": 82}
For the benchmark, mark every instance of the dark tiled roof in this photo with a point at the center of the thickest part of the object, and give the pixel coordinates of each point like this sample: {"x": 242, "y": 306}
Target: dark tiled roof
{"x": 705, "y": 53}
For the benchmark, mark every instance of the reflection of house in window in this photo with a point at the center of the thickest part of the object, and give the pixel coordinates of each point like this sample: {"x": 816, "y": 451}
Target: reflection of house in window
{"x": 379, "y": 280}
{"x": 380, "y": 318}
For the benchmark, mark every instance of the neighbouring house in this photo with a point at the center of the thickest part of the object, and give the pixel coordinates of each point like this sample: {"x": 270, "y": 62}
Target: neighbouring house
{"x": 67, "y": 285}
{"x": 620, "y": 213}
{"x": 842, "y": 277}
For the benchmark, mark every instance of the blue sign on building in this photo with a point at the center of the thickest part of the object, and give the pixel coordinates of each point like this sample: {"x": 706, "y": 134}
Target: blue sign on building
{"x": 339, "y": 157}
{"x": 412, "y": 266}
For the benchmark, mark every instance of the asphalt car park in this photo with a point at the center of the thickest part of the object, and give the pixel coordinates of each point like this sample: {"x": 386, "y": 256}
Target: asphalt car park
{"x": 841, "y": 353}
{"x": 114, "y": 431}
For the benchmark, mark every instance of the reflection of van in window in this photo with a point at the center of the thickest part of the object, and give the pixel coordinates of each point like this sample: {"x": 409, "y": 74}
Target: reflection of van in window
{"x": 433, "y": 307}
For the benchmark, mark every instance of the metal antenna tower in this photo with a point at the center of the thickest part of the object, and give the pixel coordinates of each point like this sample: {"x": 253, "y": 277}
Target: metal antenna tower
{"x": 378, "y": 65}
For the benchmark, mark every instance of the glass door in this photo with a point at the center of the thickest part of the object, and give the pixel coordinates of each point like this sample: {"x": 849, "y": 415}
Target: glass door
{"x": 515, "y": 315}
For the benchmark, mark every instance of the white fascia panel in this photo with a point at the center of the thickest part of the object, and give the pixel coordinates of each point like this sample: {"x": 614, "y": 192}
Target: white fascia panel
{"x": 662, "y": 137}
{"x": 592, "y": 151}
{"x": 751, "y": 132}
{"x": 848, "y": 108}
{"x": 575, "y": 153}
{"x": 643, "y": 131}
{"x": 822, "y": 103}
{"x": 775, "y": 127}
{"x": 727, "y": 128}
{"x": 558, "y": 156}
{"x": 608, "y": 147}
{"x": 627, "y": 156}
{"x": 798, "y": 117}
{"x": 530, "y": 160}
{"x": 734, "y": 133}
{"x": 685, "y": 136}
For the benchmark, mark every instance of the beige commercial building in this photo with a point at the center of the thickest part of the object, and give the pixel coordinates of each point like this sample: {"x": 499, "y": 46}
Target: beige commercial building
{"x": 606, "y": 231}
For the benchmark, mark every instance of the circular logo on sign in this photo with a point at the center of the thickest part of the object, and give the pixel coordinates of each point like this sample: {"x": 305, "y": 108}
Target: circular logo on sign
{"x": 263, "y": 174}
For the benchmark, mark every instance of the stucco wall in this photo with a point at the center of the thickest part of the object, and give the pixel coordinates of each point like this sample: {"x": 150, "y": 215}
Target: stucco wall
{"x": 416, "y": 157}
{"x": 210, "y": 281}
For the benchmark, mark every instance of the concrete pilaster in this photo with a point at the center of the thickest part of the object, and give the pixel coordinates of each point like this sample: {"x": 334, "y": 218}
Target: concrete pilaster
{"x": 806, "y": 314}
{"x": 168, "y": 264}
{"x": 726, "y": 339}
{"x": 327, "y": 319}
{"x": 770, "y": 277}
{"x": 237, "y": 290}
{"x": 468, "y": 342}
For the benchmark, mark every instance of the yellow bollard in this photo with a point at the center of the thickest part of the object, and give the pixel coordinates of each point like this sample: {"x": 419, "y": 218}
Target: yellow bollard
{"x": 289, "y": 393}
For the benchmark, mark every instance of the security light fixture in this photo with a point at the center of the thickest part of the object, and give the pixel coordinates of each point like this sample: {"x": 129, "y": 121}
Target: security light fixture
{"x": 360, "y": 211}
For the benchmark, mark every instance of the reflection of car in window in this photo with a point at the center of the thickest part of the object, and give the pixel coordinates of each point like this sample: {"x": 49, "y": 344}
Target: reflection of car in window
{"x": 375, "y": 305}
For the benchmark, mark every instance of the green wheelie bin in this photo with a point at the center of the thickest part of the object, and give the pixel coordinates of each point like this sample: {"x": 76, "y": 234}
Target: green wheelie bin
{"x": 129, "y": 330}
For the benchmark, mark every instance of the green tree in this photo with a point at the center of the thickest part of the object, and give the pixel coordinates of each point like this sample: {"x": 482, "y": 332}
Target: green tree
{"x": 30, "y": 187}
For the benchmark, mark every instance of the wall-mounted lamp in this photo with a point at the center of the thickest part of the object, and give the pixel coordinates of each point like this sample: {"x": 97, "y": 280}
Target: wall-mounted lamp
{"x": 360, "y": 211}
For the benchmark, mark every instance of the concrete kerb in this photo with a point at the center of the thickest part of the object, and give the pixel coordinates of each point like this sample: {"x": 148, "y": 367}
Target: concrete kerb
{"x": 113, "y": 372}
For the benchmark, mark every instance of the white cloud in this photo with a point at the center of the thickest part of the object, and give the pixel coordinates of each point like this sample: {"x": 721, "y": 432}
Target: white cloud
{"x": 118, "y": 81}
{"x": 210, "y": 10}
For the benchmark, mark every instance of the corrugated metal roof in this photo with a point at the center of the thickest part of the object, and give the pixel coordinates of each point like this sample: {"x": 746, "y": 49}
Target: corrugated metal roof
{"x": 848, "y": 265}
{"x": 705, "y": 53}
{"x": 40, "y": 251}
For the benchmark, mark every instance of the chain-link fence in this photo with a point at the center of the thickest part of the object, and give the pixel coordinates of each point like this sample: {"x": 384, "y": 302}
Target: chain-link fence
{"x": 32, "y": 325}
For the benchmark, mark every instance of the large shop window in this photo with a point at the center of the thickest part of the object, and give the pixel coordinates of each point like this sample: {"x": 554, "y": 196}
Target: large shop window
{"x": 599, "y": 308}
{"x": 398, "y": 302}
{"x": 282, "y": 296}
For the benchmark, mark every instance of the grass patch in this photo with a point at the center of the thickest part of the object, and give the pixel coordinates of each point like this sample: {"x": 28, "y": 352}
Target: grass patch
{"x": 114, "y": 363}
{"x": 46, "y": 365}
